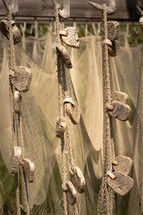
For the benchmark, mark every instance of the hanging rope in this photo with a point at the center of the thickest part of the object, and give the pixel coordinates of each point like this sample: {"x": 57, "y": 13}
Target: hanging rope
{"x": 60, "y": 104}
{"x": 17, "y": 133}
{"x": 63, "y": 93}
{"x": 68, "y": 138}
{"x": 105, "y": 204}
{"x": 67, "y": 132}
{"x": 24, "y": 180}
{"x": 11, "y": 91}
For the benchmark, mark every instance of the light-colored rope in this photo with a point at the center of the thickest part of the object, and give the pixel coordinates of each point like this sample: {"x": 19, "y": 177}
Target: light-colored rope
{"x": 60, "y": 104}
{"x": 68, "y": 138}
{"x": 59, "y": 74}
{"x": 68, "y": 128}
{"x": 106, "y": 95}
{"x": 11, "y": 42}
{"x": 24, "y": 180}
{"x": 69, "y": 144}
{"x": 76, "y": 209}
{"x": 12, "y": 66}
{"x": 105, "y": 203}
{"x": 63, "y": 93}
{"x": 12, "y": 114}
{"x": 64, "y": 174}
{"x": 11, "y": 89}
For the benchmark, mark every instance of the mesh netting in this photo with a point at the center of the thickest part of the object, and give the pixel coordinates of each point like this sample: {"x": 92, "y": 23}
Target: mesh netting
{"x": 40, "y": 111}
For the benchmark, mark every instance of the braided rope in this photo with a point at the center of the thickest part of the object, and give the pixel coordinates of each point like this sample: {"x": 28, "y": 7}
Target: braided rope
{"x": 68, "y": 138}
{"x": 11, "y": 89}
{"x": 60, "y": 103}
{"x": 69, "y": 144}
{"x": 105, "y": 201}
{"x": 60, "y": 95}
{"x": 64, "y": 174}
{"x": 76, "y": 209}
{"x": 11, "y": 42}
{"x": 12, "y": 66}
{"x": 63, "y": 93}
{"x": 106, "y": 95}
{"x": 13, "y": 118}
{"x": 24, "y": 181}
{"x": 67, "y": 132}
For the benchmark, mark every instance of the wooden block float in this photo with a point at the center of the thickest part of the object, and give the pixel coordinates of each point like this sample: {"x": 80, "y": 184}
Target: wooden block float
{"x": 65, "y": 56}
{"x": 15, "y": 159}
{"x": 61, "y": 125}
{"x": 4, "y": 27}
{"x": 70, "y": 37}
{"x": 77, "y": 179}
{"x": 71, "y": 192}
{"x": 118, "y": 107}
{"x": 17, "y": 101}
{"x": 113, "y": 30}
{"x": 72, "y": 110}
{"x": 120, "y": 111}
{"x": 22, "y": 78}
{"x": 124, "y": 164}
{"x": 113, "y": 50}
{"x": 119, "y": 96}
{"x": 29, "y": 169}
{"x": 122, "y": 183}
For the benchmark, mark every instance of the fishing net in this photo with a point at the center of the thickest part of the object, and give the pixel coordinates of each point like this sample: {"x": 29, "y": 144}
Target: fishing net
{"x": 40, "y": 111}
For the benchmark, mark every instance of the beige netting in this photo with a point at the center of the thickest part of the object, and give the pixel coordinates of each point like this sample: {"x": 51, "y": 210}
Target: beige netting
{"x": 40, "y": 111}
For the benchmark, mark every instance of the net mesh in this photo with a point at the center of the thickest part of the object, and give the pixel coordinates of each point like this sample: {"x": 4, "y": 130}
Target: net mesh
{"x": 40, "y": 111}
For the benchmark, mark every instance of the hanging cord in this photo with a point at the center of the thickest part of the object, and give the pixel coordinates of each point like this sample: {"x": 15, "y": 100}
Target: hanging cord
{"x": 15, "y": 123}
{"x": 60, "y": 104}
{"x": 11, "y": 43}
{"x": 58, "y": 28}
{"x": 67, "y": 132}
{"x": 11, "y": 91}
{"x": 68, "y": 138}
{"x": 24, "y": 180}
{"x": 105, "y": 204}
{"x": 62, "y": 93}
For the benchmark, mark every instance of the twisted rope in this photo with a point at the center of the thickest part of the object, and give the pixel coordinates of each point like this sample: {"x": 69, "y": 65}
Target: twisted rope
{"x": 64, "y": 169}
{"x": 76, "y": 209}
{"x": 12, "y": 64}
{"x": 67, "y": 132}
{"x": 68, "y": 138}
{"x": 11, "y": 42}
{"x": 105, "y": 203}
{"x": 13, "y": 118}
{"x": 63, "y": 93}
{"x": 24, "y": 180}
{"x": 60, "y": 103}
